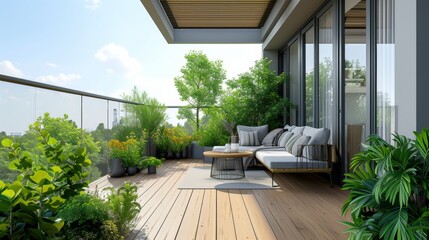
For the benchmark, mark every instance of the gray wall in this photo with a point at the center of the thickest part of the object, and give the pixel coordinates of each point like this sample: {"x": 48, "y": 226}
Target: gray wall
{"x": 405, "y": 65}
{"x": 422, "y": 64}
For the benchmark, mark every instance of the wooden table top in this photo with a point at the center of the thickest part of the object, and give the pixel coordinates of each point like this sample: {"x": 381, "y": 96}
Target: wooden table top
{"x": 217, "y": 154}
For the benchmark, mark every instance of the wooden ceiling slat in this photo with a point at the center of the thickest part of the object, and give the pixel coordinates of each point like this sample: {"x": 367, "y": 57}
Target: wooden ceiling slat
{"x": 218, "y": 14}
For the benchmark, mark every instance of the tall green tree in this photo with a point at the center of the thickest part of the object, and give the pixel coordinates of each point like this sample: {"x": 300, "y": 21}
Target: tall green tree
{"x": 199, "y": 85}
{"x": 253, "y": 98}
{"x": 148, "y": 116}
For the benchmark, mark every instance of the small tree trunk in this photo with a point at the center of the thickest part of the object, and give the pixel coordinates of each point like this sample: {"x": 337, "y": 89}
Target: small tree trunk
{"x": 198, "y": 119}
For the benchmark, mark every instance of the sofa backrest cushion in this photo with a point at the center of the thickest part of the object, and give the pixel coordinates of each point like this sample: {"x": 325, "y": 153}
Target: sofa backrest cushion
{"x": 269, "y": 140}
{"x": 297, "y": 130}
{"x": 289, "y": 128}
{"x": 298, "y": 145}
{"x": 318, "y": 136}
{"x": 291, "y": 141}
{"x": 284, "y": 138}
{"x": 262, "y": 130}
{"x": 248, "y": 138}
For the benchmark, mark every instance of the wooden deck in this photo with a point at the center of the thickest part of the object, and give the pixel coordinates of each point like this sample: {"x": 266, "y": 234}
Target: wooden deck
{"x": 304, "y": 208}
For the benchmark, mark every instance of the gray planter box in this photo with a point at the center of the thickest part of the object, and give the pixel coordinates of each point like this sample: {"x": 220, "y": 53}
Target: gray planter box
{"x": 208, "y": 159}
{"x": 197, "y": 151}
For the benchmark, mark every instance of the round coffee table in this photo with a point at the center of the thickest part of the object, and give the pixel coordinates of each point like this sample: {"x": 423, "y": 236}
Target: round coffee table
{"x": 227, "y": 165}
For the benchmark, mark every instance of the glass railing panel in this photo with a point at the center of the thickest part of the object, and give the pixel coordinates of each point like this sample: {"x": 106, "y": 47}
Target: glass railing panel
{"x": 57, "y": 104}
{"x": 94, "y": 113}
{"x": 17, "y": 106}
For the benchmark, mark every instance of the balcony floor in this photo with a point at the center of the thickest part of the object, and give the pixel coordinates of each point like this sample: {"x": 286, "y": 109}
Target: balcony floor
{"x": 304, "y": 208}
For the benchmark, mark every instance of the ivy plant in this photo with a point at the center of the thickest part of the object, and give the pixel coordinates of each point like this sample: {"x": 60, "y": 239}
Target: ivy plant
{"x": 389, "y": 189}
{"x": 28, "y": 206}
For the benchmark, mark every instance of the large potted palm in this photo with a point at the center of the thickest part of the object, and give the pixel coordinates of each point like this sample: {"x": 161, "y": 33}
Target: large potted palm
{"x": 389, "y": 189}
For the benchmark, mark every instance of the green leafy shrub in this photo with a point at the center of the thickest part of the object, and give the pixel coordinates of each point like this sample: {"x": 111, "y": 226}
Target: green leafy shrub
{"x": 160, "y": 138}
{"x": 84, "y": 209}
{"x": 124, "y": 206}
{"x": 109, "y": 231}
{"x": 151, "y": 161}
{"x": 28, "y": 206}
{"x": 389, "y": 189}
{"x": 83, "y": 216}
{"x": 213, "y": 133}
{"x": 178, "y": 139}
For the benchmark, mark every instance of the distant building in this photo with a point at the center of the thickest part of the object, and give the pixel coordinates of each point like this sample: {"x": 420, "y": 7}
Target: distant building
{"x": 15, "y": 134}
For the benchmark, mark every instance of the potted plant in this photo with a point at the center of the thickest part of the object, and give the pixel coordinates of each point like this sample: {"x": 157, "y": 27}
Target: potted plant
{"x": 389, "y": 188}
{"x": 116, "y": 158}
{"x": 161, "y": 141}
{"x": 132, "y": 155}
{"x": 178, "y": 140}
{"x": 151, "y": 163}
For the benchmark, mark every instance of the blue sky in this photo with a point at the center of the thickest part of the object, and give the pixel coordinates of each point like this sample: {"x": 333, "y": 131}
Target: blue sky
{"x": 100, "y": 46}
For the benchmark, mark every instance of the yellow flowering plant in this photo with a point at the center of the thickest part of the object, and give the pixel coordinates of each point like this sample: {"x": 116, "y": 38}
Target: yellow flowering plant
{"x": 178, "y": 139}
{"x": 129, "y": 151}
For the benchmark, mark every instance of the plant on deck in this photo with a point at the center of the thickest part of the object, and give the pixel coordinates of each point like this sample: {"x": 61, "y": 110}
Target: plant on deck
{"x": 389, "y": 189}
{"x": 29, "y": 205}
{"x": 124, "y": 206}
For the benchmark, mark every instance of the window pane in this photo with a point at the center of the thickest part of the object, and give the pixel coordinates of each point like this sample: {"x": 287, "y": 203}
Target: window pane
{"x": 386, "y": 110}
{"x": 309, "y": 76}
{"x": 355, "y": 78}
{"x": 326, "y": 82}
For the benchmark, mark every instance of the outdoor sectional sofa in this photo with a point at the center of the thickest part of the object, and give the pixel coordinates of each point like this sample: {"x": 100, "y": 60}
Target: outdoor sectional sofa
{"x": 289, "y": 150}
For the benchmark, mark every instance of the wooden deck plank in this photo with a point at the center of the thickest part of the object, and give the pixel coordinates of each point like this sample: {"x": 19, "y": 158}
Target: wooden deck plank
{"x": 225, "y": 221}
{"x": 188, "y": 226}
{"x": 207, "y": 223}
{"x": 303, "y": 208}
{"x": 280, "y": 222}
{"x": 260, "y": 224}
{"x": 151, "y": 202}
{"x": 243, "y": 225}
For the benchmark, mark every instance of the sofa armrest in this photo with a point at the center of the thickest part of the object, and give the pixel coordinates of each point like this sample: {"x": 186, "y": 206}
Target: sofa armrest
{"x": 317, "y": 152}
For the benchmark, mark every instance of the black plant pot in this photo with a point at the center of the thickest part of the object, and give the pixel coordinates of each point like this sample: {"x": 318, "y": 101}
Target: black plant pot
{"x": 116, "y": 168}
{"x": 131, "y": 171}
{"x": 151, "y": 169}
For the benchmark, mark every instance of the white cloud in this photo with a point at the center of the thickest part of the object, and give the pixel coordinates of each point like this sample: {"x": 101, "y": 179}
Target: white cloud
{"x": 7, "y": 68}
{"x": 117, "y": 60}
{"x": 92, "y": 4}
{"x": 52, "y": 65}
{"x": 60, "y": 79}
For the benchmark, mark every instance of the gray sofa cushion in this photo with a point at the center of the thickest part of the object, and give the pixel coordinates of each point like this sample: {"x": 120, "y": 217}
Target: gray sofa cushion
{"x": 283, "y": 159}
{"x": 269, "y": 139}
{"x": 297, "y": 146}
{"x": 248, "y": 138}
{"x": 284, "y": 138}
{"x": 318, "y": 136}
{"x": 297, "y": 130}
{"x": 262, "y": 130}
{"x": 291, "y": 141}
{"x": 289, "y": 128}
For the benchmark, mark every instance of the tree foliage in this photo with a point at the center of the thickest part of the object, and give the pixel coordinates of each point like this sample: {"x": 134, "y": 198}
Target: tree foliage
{"x": 199, "y": 85}
{"x": 148, "y": 116}
{"x": 63, "y": 129}
{"x": 253, "y": 98}
{"x": 389, "y": 189}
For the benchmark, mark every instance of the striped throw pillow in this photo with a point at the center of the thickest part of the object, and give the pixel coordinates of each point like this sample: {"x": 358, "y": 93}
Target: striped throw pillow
{"x": 248, "y": 138}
